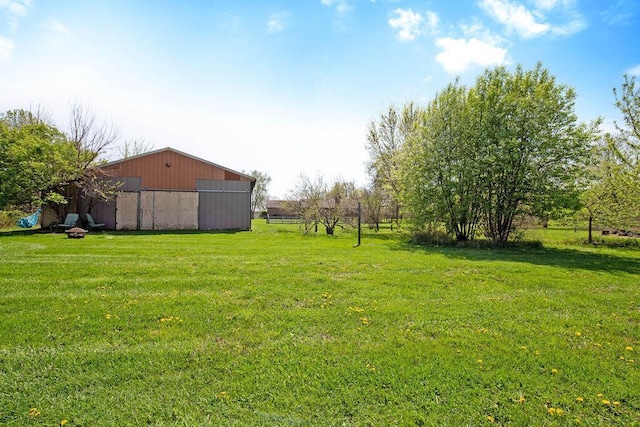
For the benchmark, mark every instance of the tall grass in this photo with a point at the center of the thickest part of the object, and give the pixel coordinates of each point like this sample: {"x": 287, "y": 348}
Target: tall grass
{"x": 272, "y": 327}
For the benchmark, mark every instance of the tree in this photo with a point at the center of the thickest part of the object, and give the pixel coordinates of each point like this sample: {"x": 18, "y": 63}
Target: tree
{"x": 442, "y": 161}
{"x": 260, "y": 190}
{"x": 613, "y": 194}
{"x": 91, "y": 140}
{"x": 533, "y": 146}
{"x": 318, "y": 202}
{"x": 35, "y": 159}
{"x": 372, "y": 199}
{"x": 483, "y": 153}
{"x": 135, "y": 147}
{"x": 628, "y": 102}
{"x": 607, "y": 196}
{"x": 385, "y": 139}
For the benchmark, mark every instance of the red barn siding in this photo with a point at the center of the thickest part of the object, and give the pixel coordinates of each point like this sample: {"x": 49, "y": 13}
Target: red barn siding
{"x": 171, "y": 170}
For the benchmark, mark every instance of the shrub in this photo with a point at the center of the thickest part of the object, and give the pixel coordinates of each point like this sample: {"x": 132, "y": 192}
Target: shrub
{"x": 8, "y": 219}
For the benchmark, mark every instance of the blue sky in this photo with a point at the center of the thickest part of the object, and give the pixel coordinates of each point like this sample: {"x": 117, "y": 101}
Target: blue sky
{"x": 289, "y": 86}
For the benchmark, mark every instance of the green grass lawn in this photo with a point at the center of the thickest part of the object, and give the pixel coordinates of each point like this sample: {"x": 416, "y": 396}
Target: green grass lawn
{"x": 272, "y": 327}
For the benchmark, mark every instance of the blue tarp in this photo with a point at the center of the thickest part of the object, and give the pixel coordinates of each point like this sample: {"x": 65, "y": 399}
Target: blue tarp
{"x": 29, "y": 221}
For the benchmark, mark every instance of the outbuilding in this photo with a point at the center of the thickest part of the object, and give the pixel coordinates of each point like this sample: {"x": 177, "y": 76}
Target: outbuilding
{"x": 170, "y": 190}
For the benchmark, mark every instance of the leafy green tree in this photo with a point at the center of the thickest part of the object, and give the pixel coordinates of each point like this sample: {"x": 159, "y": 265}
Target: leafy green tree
{"x": 35, "y": 159}
{"x": 260, "y": 190}
{"x": 628, "y": 102}
{"x": 532, "y": 147}
{"x": 483, "y": 154}
{"x": 627, "y": 147}
{"x": 606, "y": 200}
{"x": 442, "y": 164}
{"x": 385, "y": 139}
{"x": 613, "y": 195}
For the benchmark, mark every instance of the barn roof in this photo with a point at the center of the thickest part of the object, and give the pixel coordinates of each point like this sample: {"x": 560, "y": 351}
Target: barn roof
{"x": 169, "y": 149}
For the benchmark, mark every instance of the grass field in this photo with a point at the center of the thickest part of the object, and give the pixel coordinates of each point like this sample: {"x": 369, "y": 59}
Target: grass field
{"x": 275, "y": 328}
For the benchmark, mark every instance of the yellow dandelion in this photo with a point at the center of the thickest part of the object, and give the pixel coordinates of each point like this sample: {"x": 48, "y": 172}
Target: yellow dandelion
{"x": 479, "y": 360}
{"x": 605, "y": 402}
{"x": 629, "y": 348}
{"x": 578, "y": 421}
{"x": 108, "y": 316}
{"x": 559, "y": 411}
{"x": 599, "y": 395}
{"x": 524, "y": 347}
{"x": 616, "y": 403}
{"x": 621, "y": 357}
{"x": 630, "y": 360}
{"x": 33, "y": 412}
{"x": 554, "y": 371}
{"x": 579, "y": 399}
{"x": 578, "y": 333}
{"x": 63, "y": 423}
{"x": 490, "y": 418}
{"x": 521, "y": 400}
{"x": 551, "y": 411}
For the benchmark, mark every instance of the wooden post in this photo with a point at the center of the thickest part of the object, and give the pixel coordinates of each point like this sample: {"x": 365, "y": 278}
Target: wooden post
{"x": 359, "y": 223}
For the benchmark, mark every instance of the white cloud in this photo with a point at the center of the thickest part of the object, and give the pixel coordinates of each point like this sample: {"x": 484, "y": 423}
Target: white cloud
{"x": 13, "y": 11}
{"x": 572, "y": 27}
{"x": 545, "y": 4}
{"x": 515, "y": 17}
{"x": 432, "y": 20}
{"x": 6, "y": 47}
{"x": 411, "y": 24}
{"x": 559, "y": 17}
{"x": 460, "y": 54}
{"x": 634, "y": 71}
{"x": 277, "y": 22}
{"x": 56, "y": 26}
{"x": 342, "y": 6}
{"x": 407, "y": 22}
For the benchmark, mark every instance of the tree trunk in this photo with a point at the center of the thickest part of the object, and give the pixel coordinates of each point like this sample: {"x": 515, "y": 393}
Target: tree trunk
{"x": 590, "y": 229}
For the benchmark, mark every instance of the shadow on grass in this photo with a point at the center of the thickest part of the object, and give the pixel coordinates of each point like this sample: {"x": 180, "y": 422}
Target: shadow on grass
{"x": 168, "y": 232}
{"x": 122, "y": 233}
{"x": 568, "y": 258}
{"x": 20, "y": 232}
{"x": 384, "y": 236}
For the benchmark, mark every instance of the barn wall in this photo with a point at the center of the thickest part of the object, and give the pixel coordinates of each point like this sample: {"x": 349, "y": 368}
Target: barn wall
{"x": 173, "y": 191}
{"x": 127, "y": 211}
{"x": 105, "y": 212}
{"x": 170, "y": 170}
{"x": 224, "y": 204}
{"x": 168, "y": 210}
{"x": 146, "y": 214}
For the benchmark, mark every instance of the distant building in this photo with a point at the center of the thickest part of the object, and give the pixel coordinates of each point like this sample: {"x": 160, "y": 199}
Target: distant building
{"x": 279, "y": 211}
